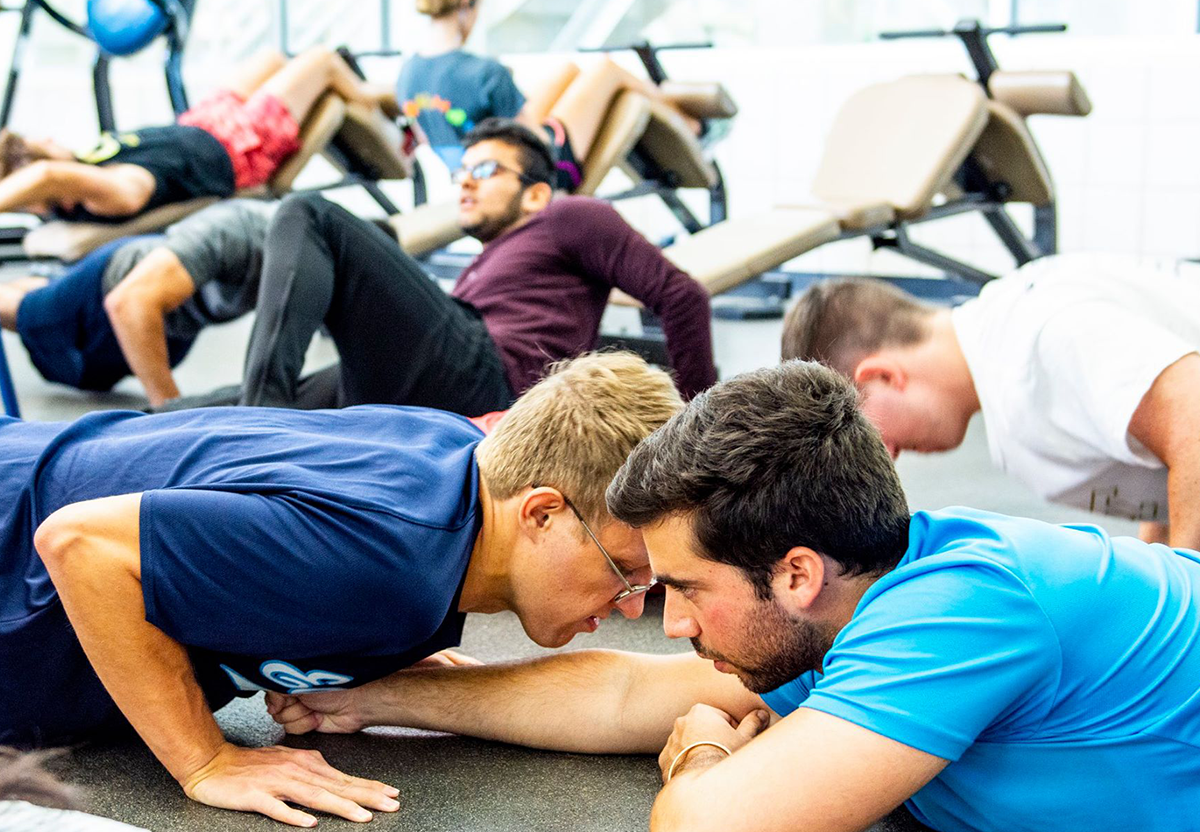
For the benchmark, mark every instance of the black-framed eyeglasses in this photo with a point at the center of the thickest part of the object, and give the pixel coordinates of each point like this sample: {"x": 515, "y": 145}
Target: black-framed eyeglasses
{"x": 486, "y": 170}
{"x": 631, "y": 590}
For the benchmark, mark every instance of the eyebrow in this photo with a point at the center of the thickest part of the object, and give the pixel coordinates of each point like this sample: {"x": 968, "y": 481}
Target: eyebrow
{"x": 677, "y": 583}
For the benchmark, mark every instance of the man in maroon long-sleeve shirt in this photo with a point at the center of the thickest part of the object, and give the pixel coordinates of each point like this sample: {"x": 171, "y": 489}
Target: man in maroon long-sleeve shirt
{"x": 535, "y": 295}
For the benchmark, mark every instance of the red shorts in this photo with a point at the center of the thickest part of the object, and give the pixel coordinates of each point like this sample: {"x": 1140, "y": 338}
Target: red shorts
{"x": 259, "y": 134}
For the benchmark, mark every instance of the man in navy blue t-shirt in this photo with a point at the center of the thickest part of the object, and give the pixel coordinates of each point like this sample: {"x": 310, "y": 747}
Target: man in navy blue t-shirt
{"x": 154, "y": 567}
{"x": 990, "y": 673}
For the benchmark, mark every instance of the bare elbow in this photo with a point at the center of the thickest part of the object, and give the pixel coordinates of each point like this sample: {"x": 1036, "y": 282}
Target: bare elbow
{"x": 56, "y": 537}
{"x": 671, "y": 814}
{"x": 126, "y": 303}
{"x": 117, "y": 305}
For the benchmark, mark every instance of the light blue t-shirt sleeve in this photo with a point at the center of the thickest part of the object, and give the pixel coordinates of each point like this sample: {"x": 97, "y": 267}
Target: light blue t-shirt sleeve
{"x": 938, "y": 660}
{"x": 504, "y": 99}
{"x": 791, "y": 696}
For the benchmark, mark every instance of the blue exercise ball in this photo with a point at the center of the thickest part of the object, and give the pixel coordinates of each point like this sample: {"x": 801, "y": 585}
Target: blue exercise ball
{"x": 122, "y": 27}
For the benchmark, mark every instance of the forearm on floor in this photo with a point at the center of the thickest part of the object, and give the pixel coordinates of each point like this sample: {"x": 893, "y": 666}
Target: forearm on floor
{"x": 567, "y": 702}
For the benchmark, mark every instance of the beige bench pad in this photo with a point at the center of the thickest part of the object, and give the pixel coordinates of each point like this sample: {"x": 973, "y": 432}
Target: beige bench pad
{"x": 624, "y": 124}
{"x": 370, "y": 136}
{"x": 1007, "y": 153}
{"x": 1035, "y": 91}
{"x": 670, "y": 142}
{"x": 898, "y": 143}
{"x": 316, "y": 132}
{"x": 859, "y": 216}
{"x": 700, "y": 99}
{"x": 427, "y": 227}
{"x": 71, "y": 240}
{"x": 729, "y": 253}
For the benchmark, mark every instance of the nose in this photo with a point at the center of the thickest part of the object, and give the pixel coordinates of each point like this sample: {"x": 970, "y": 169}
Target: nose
{"x": 632, "y": 607}
{"x": 677, "y": 621}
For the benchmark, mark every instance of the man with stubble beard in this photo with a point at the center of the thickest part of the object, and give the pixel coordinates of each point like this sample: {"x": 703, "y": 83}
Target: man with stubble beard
{"x": 535, "y": 294}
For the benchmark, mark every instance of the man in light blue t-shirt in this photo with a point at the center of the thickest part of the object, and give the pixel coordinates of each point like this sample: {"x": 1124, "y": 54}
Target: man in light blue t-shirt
{"x": 988, "y": 672}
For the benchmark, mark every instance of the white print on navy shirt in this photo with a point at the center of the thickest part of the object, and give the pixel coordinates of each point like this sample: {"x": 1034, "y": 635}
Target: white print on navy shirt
{"x": 290, "y": 677}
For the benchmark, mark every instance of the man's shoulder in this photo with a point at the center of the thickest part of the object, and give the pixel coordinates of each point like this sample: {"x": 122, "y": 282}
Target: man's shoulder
{"x": 585, "y": 209}
{"x": 458, "y": 62}
{"x": 960, "y": 543}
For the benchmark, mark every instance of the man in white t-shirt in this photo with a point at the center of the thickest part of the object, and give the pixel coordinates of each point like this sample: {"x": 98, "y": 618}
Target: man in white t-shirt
{"x": 1084, "y": 367}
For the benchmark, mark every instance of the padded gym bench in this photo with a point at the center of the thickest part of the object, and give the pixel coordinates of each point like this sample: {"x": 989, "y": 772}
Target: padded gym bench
{"x": 69, "y": 241}
{"x": 901, "y": 153}
{"x": 644, "y": 138}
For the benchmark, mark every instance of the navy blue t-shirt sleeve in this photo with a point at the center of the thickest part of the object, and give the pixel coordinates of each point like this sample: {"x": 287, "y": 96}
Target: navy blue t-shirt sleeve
{"x": 504, "y": 99}
{"x": 289, "y": 572}
{"x": 943, "y": 659}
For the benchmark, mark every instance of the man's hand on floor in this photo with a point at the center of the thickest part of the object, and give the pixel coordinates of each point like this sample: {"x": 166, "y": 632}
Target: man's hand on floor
{"x": 262, "y": 779}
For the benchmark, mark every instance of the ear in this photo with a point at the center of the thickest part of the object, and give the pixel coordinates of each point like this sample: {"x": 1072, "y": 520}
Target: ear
{"x": 536, "y": 197}
{"x": 539, "y": 508}
{"x": 882, "y": 368}
{"x": 800, "y": 578}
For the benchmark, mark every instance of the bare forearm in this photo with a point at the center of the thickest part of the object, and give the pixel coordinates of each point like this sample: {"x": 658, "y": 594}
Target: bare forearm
{"x": 141, "y": 332}
{"x": 1183, "y": 495}
{"x": 26, "y": 186}
{"x": 568, "y": 702}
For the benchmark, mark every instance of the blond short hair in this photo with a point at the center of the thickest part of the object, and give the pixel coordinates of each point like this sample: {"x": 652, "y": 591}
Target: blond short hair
{"x": 574, "y": 428}
{"x": 438, "y": 8}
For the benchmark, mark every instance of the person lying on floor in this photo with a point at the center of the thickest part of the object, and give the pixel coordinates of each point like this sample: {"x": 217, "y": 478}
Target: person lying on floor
{"x": 233, "y": 140}
{"x": 1084, "y": 368}
{"x": 535, "y": 295}
{"x": 157, "y": 566}
{"x": 447, "y": 91}
{"x": 988, "y": 672}
{"x": 137, "y": 305}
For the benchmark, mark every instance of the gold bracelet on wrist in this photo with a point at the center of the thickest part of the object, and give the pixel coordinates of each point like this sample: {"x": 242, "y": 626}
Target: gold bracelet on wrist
{"x": 679, "y": 757}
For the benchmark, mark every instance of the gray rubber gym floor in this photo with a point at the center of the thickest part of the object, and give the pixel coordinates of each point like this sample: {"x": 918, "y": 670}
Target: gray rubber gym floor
{"x": 450, "y": 783}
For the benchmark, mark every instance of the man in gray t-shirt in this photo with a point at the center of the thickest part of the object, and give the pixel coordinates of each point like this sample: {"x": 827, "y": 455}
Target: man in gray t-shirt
{"x": 137, "y": 305}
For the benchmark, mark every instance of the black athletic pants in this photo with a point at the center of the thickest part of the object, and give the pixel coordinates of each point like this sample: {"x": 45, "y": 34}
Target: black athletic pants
{"x": 400, "y": 338}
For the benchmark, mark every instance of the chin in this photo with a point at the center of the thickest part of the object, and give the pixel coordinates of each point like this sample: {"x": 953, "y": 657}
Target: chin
{"x": 548, "y": 640}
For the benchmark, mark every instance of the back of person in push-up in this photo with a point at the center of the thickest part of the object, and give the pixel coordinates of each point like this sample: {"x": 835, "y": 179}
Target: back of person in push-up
{"x": 137, "y": 304}
{"x": 233, "y": 140}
